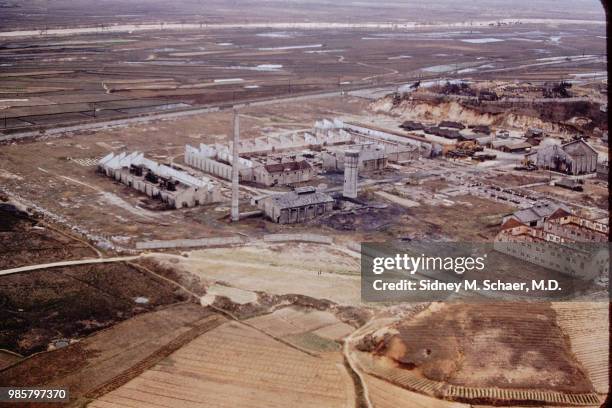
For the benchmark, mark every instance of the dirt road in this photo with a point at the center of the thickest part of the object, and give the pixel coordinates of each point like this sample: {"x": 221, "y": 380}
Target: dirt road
{"x": 67, "y": 263}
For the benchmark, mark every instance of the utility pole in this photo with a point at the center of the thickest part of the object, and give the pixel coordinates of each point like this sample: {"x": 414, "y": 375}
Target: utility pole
{"x": 235, "y": 170}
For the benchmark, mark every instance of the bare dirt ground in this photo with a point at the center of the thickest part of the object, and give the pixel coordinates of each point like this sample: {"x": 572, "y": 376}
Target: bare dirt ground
{"x": 595, "y": 193}
{"x": 515, "y": 180}
{"x": 319, "y": 271}
{"x": 316, "y": 331}
{"x": 26, "y": 241}
{"x": 505, "y": 349}
{"x": 478, "y": 222}
{"x": 6, "y": 359}
{"x": 386, "y": 395}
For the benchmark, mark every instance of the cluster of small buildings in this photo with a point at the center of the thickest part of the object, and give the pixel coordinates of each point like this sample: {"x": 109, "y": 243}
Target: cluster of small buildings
{"x": 575, "y": 158}
{"x": 453, "y": 130}
{"x": 553, "y": 223}
{"x": 555, "y": 238}
{"x": 174, "y": 187}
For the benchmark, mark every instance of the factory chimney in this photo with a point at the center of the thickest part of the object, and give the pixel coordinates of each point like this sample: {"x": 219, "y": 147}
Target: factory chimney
{"x": 235, "y": 169}
{"x": 351, "y": 162}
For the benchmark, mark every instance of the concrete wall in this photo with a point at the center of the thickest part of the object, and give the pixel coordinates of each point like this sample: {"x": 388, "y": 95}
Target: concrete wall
{"x": 209, "y": 165}
{"x": 565, "y": 259}
{"x": 206, "y": 160}
{"x": 190, "y": 243}
{"x": 299, "y": 214}
{"x": 319, "y": 239}
{"x": 302, "y": 140}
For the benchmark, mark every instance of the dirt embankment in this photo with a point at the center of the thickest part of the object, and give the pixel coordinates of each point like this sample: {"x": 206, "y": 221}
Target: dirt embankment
{"x": 568, "y": 117}
{"x": 484, "y": 345}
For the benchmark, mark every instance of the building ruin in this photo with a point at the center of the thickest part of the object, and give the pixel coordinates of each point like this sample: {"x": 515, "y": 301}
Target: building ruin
{"x": 174, "y": 187}
{"x": 330, "y": 137}
{"x": 216, "y": 160}
{"x": 283, "y": 173}
{"x": 300, "y": 205}
{"x": 371, "y": 157}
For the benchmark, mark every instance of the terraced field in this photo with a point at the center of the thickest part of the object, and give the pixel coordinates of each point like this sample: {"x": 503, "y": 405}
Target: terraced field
{"x": 485, "y": 395}
{"x": 587, "y": 325}
{"x": 386, "y": 395}
{"x": 236, "y": 366}
{"x": 498, "y": 353}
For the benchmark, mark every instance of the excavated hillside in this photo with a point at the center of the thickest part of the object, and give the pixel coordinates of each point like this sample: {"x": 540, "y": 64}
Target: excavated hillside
{"x": 493, "y": 345}
{"x": 556, "y": 115}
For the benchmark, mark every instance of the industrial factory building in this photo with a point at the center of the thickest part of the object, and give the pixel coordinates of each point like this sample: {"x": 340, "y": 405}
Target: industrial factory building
{"x": 371, "y": 157}
{"x": 300, "y": 205}
{"x": 175, "y": 188}
{"x": 576, "y": 157}
{"x": 284, "y": 173}
{"x": 216, "y": 160}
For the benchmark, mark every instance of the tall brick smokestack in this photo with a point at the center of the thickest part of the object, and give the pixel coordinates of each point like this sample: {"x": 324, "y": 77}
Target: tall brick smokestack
{"x": 235, "y": 168}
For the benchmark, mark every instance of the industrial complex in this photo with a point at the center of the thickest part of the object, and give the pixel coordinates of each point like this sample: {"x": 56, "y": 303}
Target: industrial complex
{"x": 190, "y": 193}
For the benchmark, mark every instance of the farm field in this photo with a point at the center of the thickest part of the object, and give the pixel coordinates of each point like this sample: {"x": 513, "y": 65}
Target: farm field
{"x": 118, "y": 75}
{"x": 234, "y": 365}
{"x": 109, "y": 358}
{"x": 587, "y": 325}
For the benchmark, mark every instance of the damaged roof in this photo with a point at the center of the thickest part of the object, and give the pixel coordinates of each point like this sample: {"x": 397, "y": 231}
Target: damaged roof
{"x": 300, "y": 199}
{"x": 289, "y": 166}
{"x": 538, "y": 212}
